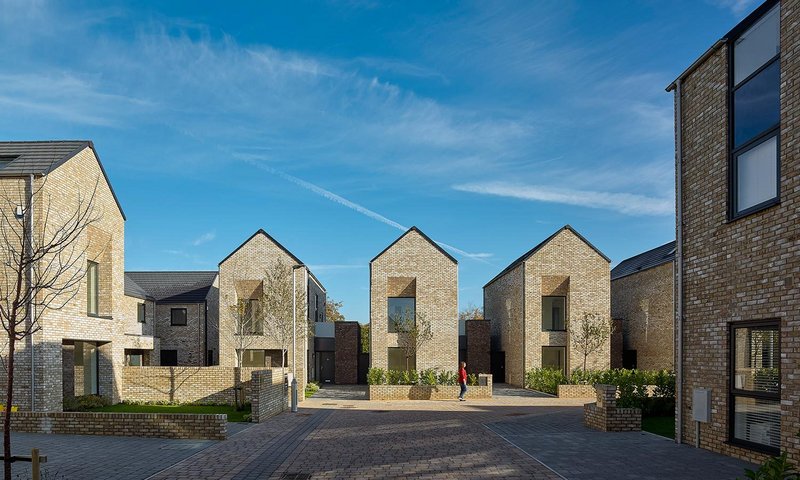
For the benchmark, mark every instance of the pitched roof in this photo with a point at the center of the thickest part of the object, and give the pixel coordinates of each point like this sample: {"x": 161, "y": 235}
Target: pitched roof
{"x": 261, "y": 231}
{"x": 42, "y": 157}
{"x": 132, "y": 289}
{"x": 649, "y": 259}
{"x": 173, "y": 287}
{"x": 542, "y": 244}
{"x": 415, "y": 229}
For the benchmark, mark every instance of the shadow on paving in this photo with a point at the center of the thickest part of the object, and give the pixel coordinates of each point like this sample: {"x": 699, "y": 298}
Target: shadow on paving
{"x": 341, "y": 392}
{"x": 561, "y": 442}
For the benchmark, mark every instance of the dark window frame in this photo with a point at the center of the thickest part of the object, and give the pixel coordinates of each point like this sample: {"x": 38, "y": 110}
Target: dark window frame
{"x": 161, "y": 357}
{"x": 562, "y": 347}
{"x": 143, "y": 318}
{"x": 733, "y": 152}
{"x": 565, "y": 314}
{"x": 734, "y": 392}
{"x": 172, "y": 317}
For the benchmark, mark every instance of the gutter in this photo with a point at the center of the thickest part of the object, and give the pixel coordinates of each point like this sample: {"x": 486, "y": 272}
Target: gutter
{"x": 678, "y": 265}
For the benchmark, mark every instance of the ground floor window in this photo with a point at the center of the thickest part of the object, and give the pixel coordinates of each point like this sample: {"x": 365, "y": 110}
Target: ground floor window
{"x": 254, "y": 358}
{"x": 86, "y": 375}
{"x": 755, "y": 384}
{"x": 273, "y": 357}
{"x": 397, "y": 360}
{"x": 555, "y": 358}
{"x": 169, "y": 358}
{"x": 134, "y": 358}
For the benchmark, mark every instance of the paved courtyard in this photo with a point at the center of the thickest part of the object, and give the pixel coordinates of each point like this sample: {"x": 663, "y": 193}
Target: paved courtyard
{"x": 339, "y": 435}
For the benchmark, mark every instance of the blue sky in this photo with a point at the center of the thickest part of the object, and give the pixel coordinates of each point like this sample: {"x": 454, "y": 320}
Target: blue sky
{"x": 489, "y": 125}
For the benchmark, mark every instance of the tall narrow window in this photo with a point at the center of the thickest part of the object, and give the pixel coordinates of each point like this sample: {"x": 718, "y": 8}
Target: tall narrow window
{"x": 92, "y": 288}
{"x": 140, "y": 313}
{"x": 554, "y": 358}
{"x": 755, "y": 117}
{"x": 401, "y": 311}
{"x": 755, "y": 385}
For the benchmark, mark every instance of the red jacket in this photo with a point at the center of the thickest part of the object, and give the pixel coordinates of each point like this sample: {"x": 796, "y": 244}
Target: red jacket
{"x": 462, "y": 375}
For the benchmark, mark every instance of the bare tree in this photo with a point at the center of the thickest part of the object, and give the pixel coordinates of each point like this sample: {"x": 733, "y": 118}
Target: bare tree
{"x": 277, "y": 309}
{"x": 240, "y": 333}
{"x": 589, "y": 334}
{"x": 471, "y": 312}
{"x": 43, "y": 266}
{"x": 413, "y": 331}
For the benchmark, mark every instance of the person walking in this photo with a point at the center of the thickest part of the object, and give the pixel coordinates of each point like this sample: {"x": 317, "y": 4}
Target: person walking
{"x": 462, "y": 380}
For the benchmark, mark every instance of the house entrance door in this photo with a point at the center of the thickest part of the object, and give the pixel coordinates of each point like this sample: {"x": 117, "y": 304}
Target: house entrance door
{"x": 326, "y": 367}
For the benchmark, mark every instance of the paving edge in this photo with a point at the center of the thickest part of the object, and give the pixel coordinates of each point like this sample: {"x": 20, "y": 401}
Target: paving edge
{"x": 523, "y": 451}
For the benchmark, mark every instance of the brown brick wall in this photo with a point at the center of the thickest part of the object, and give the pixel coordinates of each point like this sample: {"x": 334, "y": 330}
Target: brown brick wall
{"x": 747, "y": 269}
{"x": 270, "y": 395}
{"x": 348, "y": 335}
{"x": 479, "y": 345}
{"x": 150, "y": 425}
{"x": 644, "y": 303}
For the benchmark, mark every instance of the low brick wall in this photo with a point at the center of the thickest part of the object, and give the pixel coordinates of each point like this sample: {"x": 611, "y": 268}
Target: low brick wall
{"x": 209, "y": 385}
{"x": 269, "y": 395}
{"x": 576, "y": 391}
{"x": 154, "y": 425}
{"x": 431, "y": 392}
{"x": 604, "y": 414}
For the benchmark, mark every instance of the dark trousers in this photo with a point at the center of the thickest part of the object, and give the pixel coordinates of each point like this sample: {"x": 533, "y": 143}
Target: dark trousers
{"x": 463, "y": 390}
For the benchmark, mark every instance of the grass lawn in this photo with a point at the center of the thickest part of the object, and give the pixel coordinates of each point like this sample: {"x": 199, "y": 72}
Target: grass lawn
{"x": 664, "y": 426}
{"x": 233, "y": 414}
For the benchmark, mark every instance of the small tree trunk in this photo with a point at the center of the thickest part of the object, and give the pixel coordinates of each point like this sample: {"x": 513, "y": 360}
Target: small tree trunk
{"x": 585, "y": 356}
{"x": 7, "y": 416}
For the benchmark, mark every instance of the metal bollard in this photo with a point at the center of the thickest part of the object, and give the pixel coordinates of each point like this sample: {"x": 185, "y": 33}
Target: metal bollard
{"x": 294, "y": 395}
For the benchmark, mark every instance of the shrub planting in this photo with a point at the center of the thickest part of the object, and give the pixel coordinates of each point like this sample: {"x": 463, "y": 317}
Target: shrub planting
{"x": 379, "y": 376}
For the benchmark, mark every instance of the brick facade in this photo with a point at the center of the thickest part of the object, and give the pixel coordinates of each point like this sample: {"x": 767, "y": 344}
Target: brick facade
{"x": 348, "y": 340}
{"x": 203, "y": 385}
{"x": 479, "y": 346}
{"x": 414, "y": 266}
{"x": 644, "y": 303}
{"x": 563, "y": 265}
{"x": 736, "y": 270}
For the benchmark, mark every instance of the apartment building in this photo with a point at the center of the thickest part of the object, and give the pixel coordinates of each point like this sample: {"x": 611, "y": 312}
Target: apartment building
{"x": 532, "y": 302}
{"x": 413, "y": 280}
{"x": 738, "y": 247}
{"x": 642, "y": 294}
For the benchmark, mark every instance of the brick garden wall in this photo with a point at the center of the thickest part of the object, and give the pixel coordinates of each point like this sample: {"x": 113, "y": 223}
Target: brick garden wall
{"x": 576, "y": 391}
{"x": 605, "y": 416}
{"x": 431, "y": 392}
{"x": 184, "y": 384}
{"x": 153, "y": 425}
{"x": 348, "y": 336}
{"x": 269, "y": 395}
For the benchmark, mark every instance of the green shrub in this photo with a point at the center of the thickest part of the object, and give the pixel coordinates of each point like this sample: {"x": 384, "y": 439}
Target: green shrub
{"x": 85, "y": 403}
{"x": 428, "y": 377}
{"x": 447, "y": 378}
{"x": 545, "y": 379}
{"x": 376, "y": 376}
{"x": 775, "y": 468}
{"x": 632, "y": 386}
{"x": 311, "y": 389}
{"x": 394, "y": 377}
{"x": 664, "y": 382}
{"x": 472, "y": 380}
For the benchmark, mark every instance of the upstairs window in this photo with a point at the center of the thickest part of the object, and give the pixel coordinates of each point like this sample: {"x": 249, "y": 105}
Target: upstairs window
{"x": 755, "y": 116}
{"x": 177, "y": 317}
{"x": 553, "y": 313}
{"x": 140, "y": 313}
{"x": 92, "y": 288}
{"x": 401, "y": 311}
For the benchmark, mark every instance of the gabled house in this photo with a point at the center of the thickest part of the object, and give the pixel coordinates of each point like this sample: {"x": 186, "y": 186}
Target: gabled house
{"x": 413, "y": 279}
{"x": 81, "y": 346}
{"x": 532, "y": 302}
{"x": 642, "y": 294}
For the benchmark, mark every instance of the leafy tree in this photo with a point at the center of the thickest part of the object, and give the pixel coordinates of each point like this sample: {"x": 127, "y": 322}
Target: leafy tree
{"x": 589, "y": 334}
{"x": 364, "y": 338}
{"x": 332, "y": 310}
{"x": 471, "y": 312}
{"x": 413, "y": 331}
{"x": 277, "y": 310}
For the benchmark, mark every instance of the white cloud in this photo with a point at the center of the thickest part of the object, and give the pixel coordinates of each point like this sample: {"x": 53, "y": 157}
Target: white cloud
{"x": 737, "y": 7}
{"x": 626, "y": 203}
{"x": 204, "y": 238}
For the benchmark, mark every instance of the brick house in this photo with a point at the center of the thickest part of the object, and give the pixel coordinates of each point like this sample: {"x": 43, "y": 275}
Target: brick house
{"x": 410, "y": 279}
{"x": 532, "y": 301}
{"x": 181, "y": 309}
{"x": 738, "y": 248}
{"x": 241, "y": 276}
{"x": 642, "y": 293}
{"x": 81, "y": 347}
